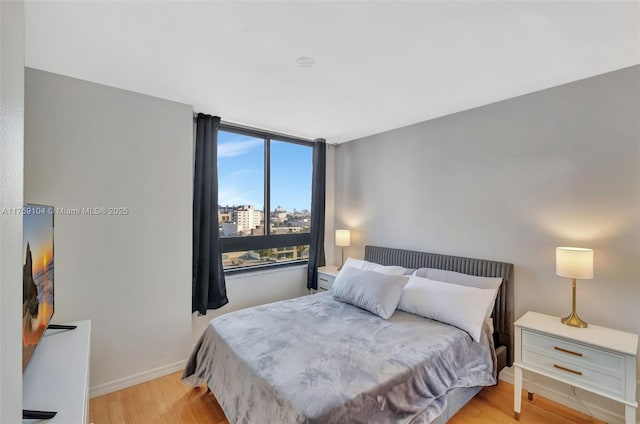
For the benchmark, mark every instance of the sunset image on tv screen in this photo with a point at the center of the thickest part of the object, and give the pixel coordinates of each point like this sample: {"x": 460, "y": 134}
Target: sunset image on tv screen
{"x": 37, "y": 276}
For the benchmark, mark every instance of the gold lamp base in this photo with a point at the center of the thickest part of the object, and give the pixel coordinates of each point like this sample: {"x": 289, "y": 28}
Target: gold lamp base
{"x": 574, "y": 321}
{"x": 342, "y": 262}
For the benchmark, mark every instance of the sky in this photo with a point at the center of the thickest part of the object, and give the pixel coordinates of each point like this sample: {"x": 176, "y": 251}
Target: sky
{"x": 241, "y": 172}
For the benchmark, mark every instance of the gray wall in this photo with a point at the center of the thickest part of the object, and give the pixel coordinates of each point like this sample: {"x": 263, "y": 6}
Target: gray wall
{"x": 88, "y": 145}
{"x": 511, "y": 181}
{"x": 11, "y": 186}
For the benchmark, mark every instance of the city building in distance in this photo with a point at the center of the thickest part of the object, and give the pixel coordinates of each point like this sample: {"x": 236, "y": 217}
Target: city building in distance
{"x": 246, "y": 220}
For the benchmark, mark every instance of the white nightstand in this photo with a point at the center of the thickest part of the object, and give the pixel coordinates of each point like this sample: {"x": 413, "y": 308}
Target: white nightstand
{"x": 326, "y": 276}
{"x": 596, "y": 359}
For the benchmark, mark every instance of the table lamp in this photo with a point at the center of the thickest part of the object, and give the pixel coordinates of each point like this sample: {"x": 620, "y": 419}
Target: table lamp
{"x": 343, "y": 238}
{"x": 574, "y": 262}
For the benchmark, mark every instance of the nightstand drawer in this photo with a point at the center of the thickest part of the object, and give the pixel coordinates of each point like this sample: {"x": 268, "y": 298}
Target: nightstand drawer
{"x": 571, "y": 373}
{"x": 575, "y": 363}
{"x": 574, "y": 353}
{"x": 325, "y": 281}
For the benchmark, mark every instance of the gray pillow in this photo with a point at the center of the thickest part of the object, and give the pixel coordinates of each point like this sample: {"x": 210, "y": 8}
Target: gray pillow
{"x": 372, "y": 291}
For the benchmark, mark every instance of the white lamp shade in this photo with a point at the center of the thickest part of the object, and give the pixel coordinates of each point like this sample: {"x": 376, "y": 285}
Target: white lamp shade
{"x": 574, "y": 262}
{"x": 343, "y": 238}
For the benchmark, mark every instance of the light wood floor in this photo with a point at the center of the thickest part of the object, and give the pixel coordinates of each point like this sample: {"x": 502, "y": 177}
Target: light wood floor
{"x": 167, "y": 401}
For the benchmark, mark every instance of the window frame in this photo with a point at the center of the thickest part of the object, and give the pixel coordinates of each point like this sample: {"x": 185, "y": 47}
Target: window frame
{"x": 267, "y": 240}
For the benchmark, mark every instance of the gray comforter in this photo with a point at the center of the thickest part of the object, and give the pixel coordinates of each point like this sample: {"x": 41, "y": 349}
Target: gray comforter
{"x": 316, "y": 360}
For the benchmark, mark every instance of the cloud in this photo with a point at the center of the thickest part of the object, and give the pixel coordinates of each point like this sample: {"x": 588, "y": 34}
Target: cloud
{"x": 237, "y": 148}
{"x": 240, "y": 187}
{"x": 234, "y": 196}
{"x": 235, "y": 175}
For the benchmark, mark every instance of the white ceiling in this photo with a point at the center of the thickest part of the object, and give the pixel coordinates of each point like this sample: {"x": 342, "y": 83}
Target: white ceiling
{"x": 378, "y": 65}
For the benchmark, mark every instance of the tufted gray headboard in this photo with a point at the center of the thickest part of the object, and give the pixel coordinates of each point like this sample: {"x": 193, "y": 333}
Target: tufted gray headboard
{"x": 503, "y": 311}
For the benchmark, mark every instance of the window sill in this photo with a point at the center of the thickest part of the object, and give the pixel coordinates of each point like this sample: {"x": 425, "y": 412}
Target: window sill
{"x": 253, "y": 272}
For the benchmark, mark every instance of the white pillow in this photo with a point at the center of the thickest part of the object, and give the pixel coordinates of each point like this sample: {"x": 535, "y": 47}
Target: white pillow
{"x": 459, "y": 278}
{"x": 372, "y": 291}
{"x": 463, "y": 280}
{"x": 371, "y": 266}
{"x": 461, "y": 306}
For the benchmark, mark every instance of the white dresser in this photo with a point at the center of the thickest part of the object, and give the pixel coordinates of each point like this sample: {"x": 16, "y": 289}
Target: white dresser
{"x": 326, "y": 277}
{"x": 57, "y": 377}
{"x": 597, "y": 359}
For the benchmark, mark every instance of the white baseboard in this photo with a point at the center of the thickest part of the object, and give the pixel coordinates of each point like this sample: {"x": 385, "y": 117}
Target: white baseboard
{"x": 557, "y": 396}
{"x": 132, "y": 380}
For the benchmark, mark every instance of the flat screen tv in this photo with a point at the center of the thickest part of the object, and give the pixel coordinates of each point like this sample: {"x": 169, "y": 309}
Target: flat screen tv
{"x": 37, "y": 276}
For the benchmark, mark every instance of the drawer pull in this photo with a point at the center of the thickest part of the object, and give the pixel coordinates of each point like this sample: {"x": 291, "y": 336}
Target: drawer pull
{"x": 570, "y": 352}
{"x": 567, "y": 369}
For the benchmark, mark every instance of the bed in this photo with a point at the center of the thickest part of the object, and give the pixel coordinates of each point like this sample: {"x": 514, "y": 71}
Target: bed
{"x": 314, "y": 359}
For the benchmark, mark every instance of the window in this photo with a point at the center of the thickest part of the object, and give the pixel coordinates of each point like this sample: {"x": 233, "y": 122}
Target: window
{"x": 264, "y": 196}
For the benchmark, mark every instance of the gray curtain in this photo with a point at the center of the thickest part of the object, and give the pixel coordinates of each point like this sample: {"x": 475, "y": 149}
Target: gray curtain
{"x": 208, "y": 286}
{"x": 318, "y": 183}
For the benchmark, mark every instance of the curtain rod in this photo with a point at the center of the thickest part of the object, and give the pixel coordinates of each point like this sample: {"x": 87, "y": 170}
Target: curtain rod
{"x": 258, "y": 129}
